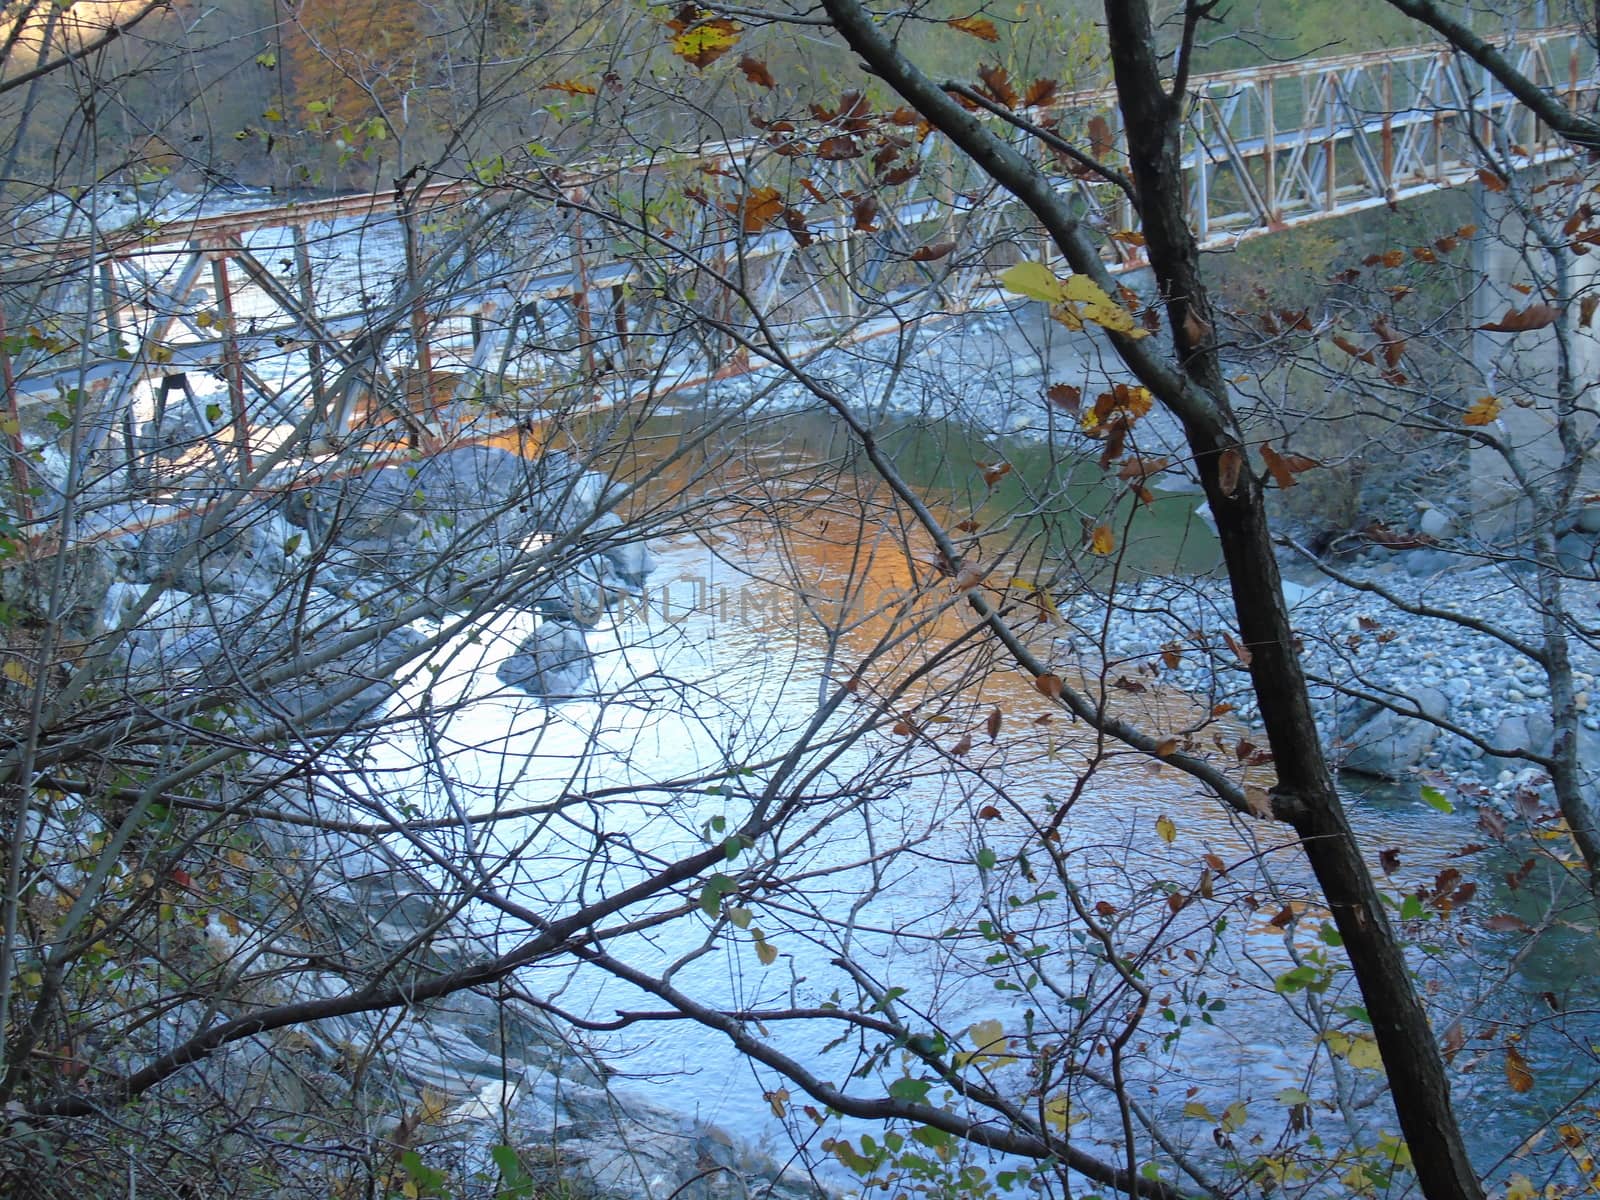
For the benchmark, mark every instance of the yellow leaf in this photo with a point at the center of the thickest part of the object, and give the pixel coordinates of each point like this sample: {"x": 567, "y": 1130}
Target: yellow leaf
{"x": 1059, "y": 1114}
{"x": 10, "y": 426}
{"x": 778, "y": 1101}
{"x": 1233, "y": 1118}
{"x": 1167, "y": 830}
{"x": 1035, "y": 281}
{"x": 1199, "y": 1111}
{"x": 1364, "y": 1053}
{"x": 571, "y": 87}
{"x": 1101, "y": 309}
{"x": 17, "y": 673}
{"x": 1482, "y": 411}
{"x": 433, "y": 1106}
{"x": 703, "y": 43}
{"x": 989, "y": 1040}
{"x": 765, "y": 950}
{"x": 1103, "y": 541}
{"x": 978, "y": 27}
{"x": 1520, "y": 1187}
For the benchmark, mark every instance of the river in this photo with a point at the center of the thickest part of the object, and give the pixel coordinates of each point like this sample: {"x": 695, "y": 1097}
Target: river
{"x": 916, "y": 855}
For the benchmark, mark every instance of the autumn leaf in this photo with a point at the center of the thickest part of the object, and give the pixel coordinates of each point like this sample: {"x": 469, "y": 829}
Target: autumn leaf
{"x": 990, "y": 813}
{"x": 978, "y": 27}
{"x": 1101, "y": 141}
{"x": 932, "y": 252}
{"x": 1075, "y": 299}
{"x": 795, "y": 222}
{"x": 700, "y": 44}
{"x": 756, "y": 72}
{"x": 1482, "y": 411}
{"x": 1064, "y": 396}
{"x": 1518, "y": 1074}
{"x": 838, "y": 148}
{"x": 571, "y": 87}
{"x": 1535, "y": 316}
{"x": 1229, "y": 464}
{"x": 1286, "y": 465}
{"x": 1241, "y": 652}
{"x": 1103, "y": 540}
{"x": 1586, "y": 308}
{"x": 757, "y": 209}
{"x": 1048, "y": 685}
{"x": 991, "y": 724}
{"x": 1040, "y": 92}
{"x": 765, "y": 950}
{"x": 864, "y": 211}
{"x": 998, "y": 85}
{"x": 1491, "y": 180}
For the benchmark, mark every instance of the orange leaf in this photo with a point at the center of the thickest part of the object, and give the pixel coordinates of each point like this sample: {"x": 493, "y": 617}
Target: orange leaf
{"x": 756, "y": 72}
{"x": 1048, "y": 685}
{"x": 1535, "y": 316}
{"x": 933, "y": 252}
{"x": 1490, "y": 180}
{"x": 1517, "y": 1073}
{"x": 1241, "y": 652}
{"x": 993, "y": 474}
{"x": 1285, "y": 466}
{"x": 1166, "y": 747}
{"x": 962, "y": 746}
{"x": 991, "y": 724}
{"x": 1482, "y": 411}
{"x": 978, "y": 27}
{"x": 758, "y": 209}
{"x": 572, "y": 87}
{"x": 1103, "y": 541}
{"x": 989, "y": 813}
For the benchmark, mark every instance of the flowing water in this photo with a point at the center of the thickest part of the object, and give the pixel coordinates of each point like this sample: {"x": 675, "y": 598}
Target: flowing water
{"x": 915, "y": 856}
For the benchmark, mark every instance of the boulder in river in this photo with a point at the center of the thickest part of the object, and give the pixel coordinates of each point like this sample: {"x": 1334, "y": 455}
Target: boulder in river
{"x": 553, "y": 662}
{"x": 1388, "y": 745}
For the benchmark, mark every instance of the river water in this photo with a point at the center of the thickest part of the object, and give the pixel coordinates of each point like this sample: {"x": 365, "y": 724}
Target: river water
{"x": 914, "y": 860}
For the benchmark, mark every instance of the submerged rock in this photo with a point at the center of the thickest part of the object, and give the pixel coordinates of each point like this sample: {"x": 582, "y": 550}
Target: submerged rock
{"x": 1388, "y": 745}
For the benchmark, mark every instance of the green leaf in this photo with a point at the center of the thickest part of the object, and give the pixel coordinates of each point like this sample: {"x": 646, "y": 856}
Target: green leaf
{"x": 711, "y": 895}
{"x": 914, "y": 1091}
{"x": 986, "y": 859}
{"x": 1434, "y": 798}
{"x": 1411, "y": 909}
{"x": 213, "y": 412}
{"x": 739, "y": 916}
{"x": 269, "y": 60}
{"x": 1289, "y": 1097}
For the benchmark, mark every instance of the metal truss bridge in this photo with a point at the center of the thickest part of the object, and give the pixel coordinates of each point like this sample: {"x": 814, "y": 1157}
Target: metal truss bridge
{"x": 334, "y": 320}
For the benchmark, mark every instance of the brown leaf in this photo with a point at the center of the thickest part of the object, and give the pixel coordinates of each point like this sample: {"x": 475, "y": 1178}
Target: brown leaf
{"x": 991, "y": 724}
{"x": 967, "y": 526}
{"x": 1215, "y": 863}
{"x": 1491, "y": 822}
{"x": 978, "y": 27}
{"x": 1357, "y": 352}
{"x": 1491, "y": 180}
{"x": 1241, "y": 652}
{"x": 1101, "y": 141}
{"x": 756, "y": 72}
{"x": 1284, "y": 919}
{"x": 1166, "y": 747}
{"x": 900, "y": 175}
{"x": 795, "y": 222}
{"x": 1229, "y": 464}
{"x": 837, "y": 148}
{"x": 961, "y": 747}
{"x": 1105, "y": 908}
{"x": 1455, "y": 1037}
{"x": 1507, "y": 923}
{"x": 1389, "y": 860}
{"x": 933, "y": 252}
{"x": 571, "y": 87}
{"x": 1064, "y": 396}
{"x": 1518, "y": 1074}
{"x": 989, "y": 813}
{"x": 864, "y": 211}
{"x": 1586, "y": 308}
{"x": 1048, "y": 685}
{"x": 993, "y": 474}
{"x": 1040, "y": 92}
{"x": 1259, "y": 801}
{"x": 998, "y": 85}
{"x": 1535, "y": 316}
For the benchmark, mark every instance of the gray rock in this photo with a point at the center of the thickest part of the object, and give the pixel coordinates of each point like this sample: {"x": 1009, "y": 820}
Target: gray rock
{"x": 1575, "y": 552}
{"x": 553, "y": 662}
{"x": 1388, "y": 745}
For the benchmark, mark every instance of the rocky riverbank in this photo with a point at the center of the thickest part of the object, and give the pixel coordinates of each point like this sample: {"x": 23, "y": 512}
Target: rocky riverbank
{"x": 1362, "y": 650}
